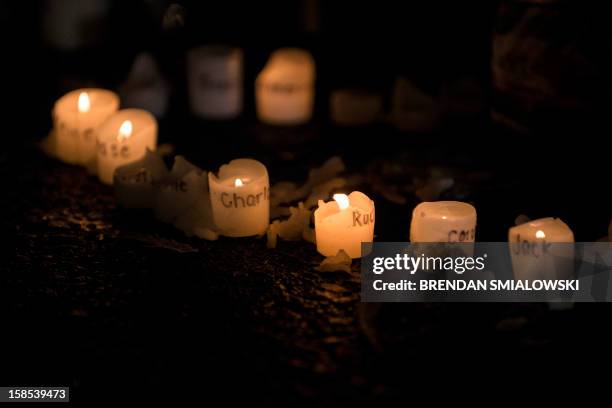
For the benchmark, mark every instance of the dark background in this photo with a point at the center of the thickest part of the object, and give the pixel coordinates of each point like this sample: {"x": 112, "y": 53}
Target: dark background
{"x": 146, "y": 307}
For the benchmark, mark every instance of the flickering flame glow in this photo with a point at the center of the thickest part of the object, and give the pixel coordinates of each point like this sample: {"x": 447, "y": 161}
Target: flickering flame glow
{"x": 125, "y": 130}
{"x": 342, "y": 200}
{"x": 540, "y": 234}
{"x": 84, "y": 105}
{"x": 238, "y": 183}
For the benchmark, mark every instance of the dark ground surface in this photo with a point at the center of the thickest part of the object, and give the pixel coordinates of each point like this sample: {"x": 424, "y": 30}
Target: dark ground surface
{"x": 116, "y": 305}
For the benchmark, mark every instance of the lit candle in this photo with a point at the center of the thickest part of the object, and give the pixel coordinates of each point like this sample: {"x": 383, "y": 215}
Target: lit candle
{"x": 443, "y": 221}
{"x": 285, "y": 88}
{"x": 124, "y": 138}
{"x": 540, "y": 250}
{"x": 214, "y": 75}
{"x": 344, "y": 223}
{"x": 75, "y": 117}
{"x": 240, "y": 198}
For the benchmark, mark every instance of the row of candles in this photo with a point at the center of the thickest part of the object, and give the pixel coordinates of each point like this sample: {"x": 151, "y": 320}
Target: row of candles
{"x": 284, "y": 91}
{"x": 91, "y": 131}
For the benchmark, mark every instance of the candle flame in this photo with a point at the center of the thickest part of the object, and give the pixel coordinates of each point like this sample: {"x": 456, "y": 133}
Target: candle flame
{"x": 84, "y": 105}
{"x": 238, "y": 183}
{"x": 342, "y": 200}
{"x": 125, "y": 130}
{"x": 540, "y": 234}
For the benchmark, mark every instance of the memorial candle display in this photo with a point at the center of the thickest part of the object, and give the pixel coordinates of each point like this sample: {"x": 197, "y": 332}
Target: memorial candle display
{"x": 285, "y": 88}
{"x": 75, "y": 117}
{"x": 344, "y": 223}
{"x": 214, "y": 76}
{"x": 443, "y": 221}
{"x": 240, "y": 198}
{"x": 124, "y": 138}
{"x": 541, "y": 249}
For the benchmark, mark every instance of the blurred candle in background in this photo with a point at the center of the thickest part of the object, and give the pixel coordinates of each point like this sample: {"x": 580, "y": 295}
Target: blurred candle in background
{"x": 240, "y": 198}
{"x": 124, "y": 138}
{"x": 75, "y": 117}
{"x": 354, "y": 107}
{"x": 214, "y": 77}
{"x": 344, "y": 223}
{"x": 542, "y": 249}
{"x": 284, "y": 89}
{"x": 443, "y": 221}
{"x": 145, "y": 87}
{"x": 72, "y": 24}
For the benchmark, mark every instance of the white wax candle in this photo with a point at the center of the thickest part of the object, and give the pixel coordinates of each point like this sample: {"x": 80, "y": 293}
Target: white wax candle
{"x": 540, "y": 249}
{"x": 75, "y": 117}
{"x": 214, "y": 76}
{"x": 134, "y": 181}
{"x": 353, "y": 107}
{"x": 344, "y": 223}
{"x": 284, "y": 90}
{"x": 124, "y": 138}
{"x": 240, "y": 198}
{"x": 443, "y": 221}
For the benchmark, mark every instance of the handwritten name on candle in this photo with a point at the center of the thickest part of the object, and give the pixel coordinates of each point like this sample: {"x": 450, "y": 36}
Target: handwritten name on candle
{"x": 76, "y": 115}
{"x": 123, "y": 139}
{"x": 113, "y": 150}
{"x": 526, "y": 247}
{"x": 240, "y": 198}
{"x": 462, "y": 235}
{"x": 175, "y": 186}
{"x": 237, "y": 200}
{"x": 286, "y": 88}
{"x": 344, "y": 223}
{"x": 360, "y": 219}
{"x": 539, "y": 249}
{"x": 139, "y": 176}
{"x": 443, "y": 221}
